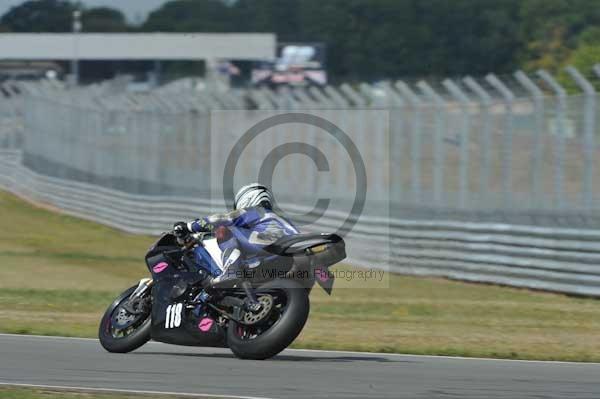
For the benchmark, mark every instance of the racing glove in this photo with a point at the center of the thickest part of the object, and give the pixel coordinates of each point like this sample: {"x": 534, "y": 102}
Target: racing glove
{"x": 181, "y": 231}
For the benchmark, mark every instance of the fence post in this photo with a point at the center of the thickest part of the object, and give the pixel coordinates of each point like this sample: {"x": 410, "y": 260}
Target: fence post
{"x": 589, "y": 133}
{"x": 283, "y": 136}
{"x": 272, "y": 97}
{"x": 538, "y": 113}
{"x": 465, "y": 140}
{"x": 336, "y": 97}
{"x": 341, "y": 105}
{"x": 305, "y": 101}
{"x": 439, "y": 158}
{"x": 384, "y": 142}
{"x": 308, "y": 105}
{"x": 25, "y": 115}
{"x": 416, "y": 130}
{"x": 393, "y": 98}
{"x": 486, "y": 133}
{"x": 359, "y": 102}
{"x": 237, "y": 101}
{"x": 559, "y": 151}
{"x": 8, "y": 112}
{"x": 357, "y": 99}
{"x": 367, "y": 92}
{"x": 288, "y": 98}
{"x": 259, "y": 99}
{"x": 395, "y": 106}
{"x": 321, "y": 98}
{"x": 509, "y": 99}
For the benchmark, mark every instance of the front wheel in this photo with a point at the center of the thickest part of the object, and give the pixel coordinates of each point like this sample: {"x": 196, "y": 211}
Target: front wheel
{"x": 122, "y": 331}
{"x": 288, "y": 308}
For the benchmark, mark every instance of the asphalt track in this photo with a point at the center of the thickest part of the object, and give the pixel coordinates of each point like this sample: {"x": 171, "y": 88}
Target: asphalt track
{"x": 82, "y": 363}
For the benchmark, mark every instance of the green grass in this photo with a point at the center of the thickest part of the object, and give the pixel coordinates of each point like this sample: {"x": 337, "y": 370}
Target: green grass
{"x": 58, "y": 274}
{"x": 9, "y": 392}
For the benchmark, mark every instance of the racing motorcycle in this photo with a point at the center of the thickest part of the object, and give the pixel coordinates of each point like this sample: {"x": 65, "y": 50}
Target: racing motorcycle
{"x": 256, "y": 314}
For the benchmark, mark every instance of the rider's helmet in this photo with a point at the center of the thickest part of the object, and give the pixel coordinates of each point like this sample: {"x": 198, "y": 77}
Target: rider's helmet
{"x": 254, "y": 194}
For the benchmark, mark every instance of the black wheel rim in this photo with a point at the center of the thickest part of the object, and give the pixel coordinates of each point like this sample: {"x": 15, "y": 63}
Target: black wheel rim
{"x": 131, "y": 321}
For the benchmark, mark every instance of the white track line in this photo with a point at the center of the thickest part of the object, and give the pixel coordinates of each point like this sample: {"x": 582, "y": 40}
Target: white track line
{"x": 95, "y": 340}
{"x": 130, "y": 391}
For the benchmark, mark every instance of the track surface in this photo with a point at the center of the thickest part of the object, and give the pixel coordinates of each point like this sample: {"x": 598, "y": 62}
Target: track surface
{"x": 292, "y": 374}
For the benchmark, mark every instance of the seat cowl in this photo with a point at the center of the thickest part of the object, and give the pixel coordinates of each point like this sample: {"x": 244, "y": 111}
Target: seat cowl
{"x": 298, "y": 243}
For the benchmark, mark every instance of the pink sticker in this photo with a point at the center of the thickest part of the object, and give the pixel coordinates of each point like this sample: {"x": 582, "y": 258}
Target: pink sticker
{"x": 321, "y": 275}
{"x": 160, "y": 267}
{"x": 205, "y": 324}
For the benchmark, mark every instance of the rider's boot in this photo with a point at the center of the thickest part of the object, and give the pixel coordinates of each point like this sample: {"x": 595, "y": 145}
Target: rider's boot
{"x": 233, "y": 270}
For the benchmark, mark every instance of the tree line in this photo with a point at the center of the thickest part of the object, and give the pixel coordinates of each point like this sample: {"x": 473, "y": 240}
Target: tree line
{"x": 371, "y": 39}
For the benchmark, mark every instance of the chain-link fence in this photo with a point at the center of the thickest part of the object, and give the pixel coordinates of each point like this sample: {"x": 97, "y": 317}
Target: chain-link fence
{"x": 11, "y": 116}
{"x": 515, "y": 149}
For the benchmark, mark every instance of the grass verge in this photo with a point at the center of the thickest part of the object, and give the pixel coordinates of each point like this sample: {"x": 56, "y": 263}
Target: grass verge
{"x": 58, "y": 273}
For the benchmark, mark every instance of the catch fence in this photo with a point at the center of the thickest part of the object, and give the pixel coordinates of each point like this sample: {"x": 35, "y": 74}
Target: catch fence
{"x": 491, "y": 179}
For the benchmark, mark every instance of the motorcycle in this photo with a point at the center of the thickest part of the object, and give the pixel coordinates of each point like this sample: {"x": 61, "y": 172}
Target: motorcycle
{"x": 256, "y": 315}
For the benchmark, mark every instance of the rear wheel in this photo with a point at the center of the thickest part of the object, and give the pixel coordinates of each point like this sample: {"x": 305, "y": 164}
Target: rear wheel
{"x": 285, "y": 308}
{"x": 122, "y": 331}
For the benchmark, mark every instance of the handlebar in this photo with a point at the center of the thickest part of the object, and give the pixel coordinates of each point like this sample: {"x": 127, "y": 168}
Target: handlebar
{"x": 195, "y": 238}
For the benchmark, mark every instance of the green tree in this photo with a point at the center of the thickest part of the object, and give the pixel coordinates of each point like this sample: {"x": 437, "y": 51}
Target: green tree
{"x": 104, "y": 19}
{"x": 550, "y": 30}
{"x": 39, "y": 16}
{"x": 583, "y": 58}
{"x": 191, "y": 16}
{"x": 394, "y": 38}
{"x": 590, "y": 36}
{"x": 368, "y": 39}
{"x": 467, "y": 36}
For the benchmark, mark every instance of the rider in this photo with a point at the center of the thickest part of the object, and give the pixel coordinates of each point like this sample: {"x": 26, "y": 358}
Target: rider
{"x": 251, "y": 226}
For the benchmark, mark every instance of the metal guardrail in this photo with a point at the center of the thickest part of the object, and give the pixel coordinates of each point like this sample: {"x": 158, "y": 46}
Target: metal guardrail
{"x": 554, "y": 259}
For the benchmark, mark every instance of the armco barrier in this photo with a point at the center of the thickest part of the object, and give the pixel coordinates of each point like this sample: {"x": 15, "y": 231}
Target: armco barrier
{"x": 553, "y": 259}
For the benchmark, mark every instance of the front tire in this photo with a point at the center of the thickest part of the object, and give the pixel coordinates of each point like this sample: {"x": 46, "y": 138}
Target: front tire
{"x": 138, "y": 334}
{"x": 279, "y": 335}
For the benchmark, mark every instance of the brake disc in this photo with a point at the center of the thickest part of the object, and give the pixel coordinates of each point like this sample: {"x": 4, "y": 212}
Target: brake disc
{"x": 266, "y": 302}
{"x": 123, "y": 319}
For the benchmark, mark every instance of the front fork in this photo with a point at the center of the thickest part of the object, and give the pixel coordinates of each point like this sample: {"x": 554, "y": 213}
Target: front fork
{"x": 143, "y": 286}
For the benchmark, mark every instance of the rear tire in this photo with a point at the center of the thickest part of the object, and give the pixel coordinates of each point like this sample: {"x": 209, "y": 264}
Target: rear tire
{"x": 128, "y": 343}
{"x": 281, "y": 334}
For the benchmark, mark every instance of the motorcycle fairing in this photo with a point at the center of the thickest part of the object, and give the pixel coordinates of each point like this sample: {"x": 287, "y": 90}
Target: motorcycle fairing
{"x": 192, "y": 330}
{"x": 206, "y": 260}
{"x": 172, "y": 276}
